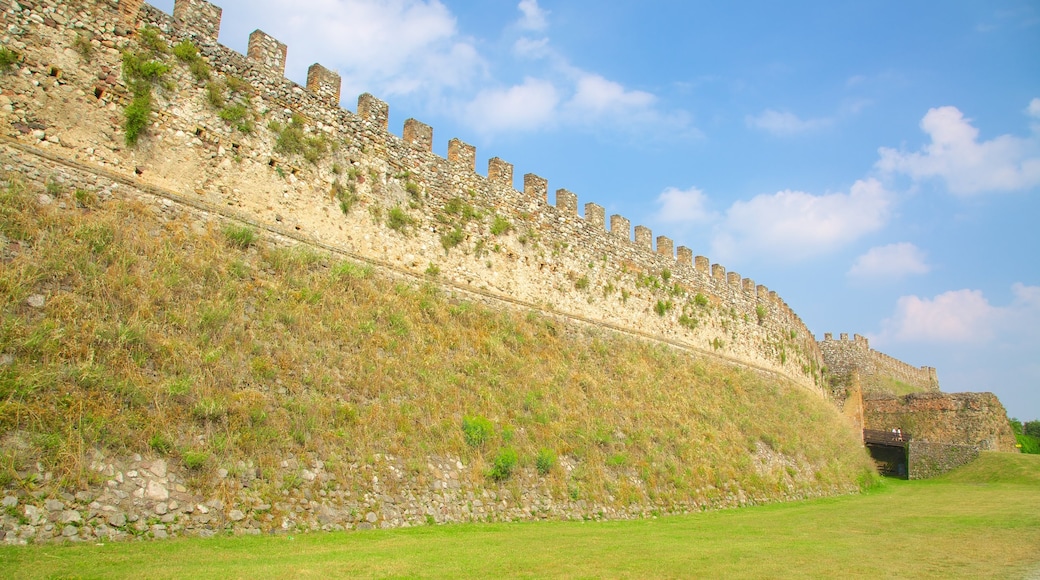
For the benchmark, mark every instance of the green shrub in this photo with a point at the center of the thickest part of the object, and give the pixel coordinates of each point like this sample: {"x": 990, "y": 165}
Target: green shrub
{"x": 215, "y": 95}
{"x": 137, "y": 66}
{"x": 160, "y": 444}
{"x": 700, "y": 300}
{"x": 545, "y": 461}
{"x": 8, "y": 58}
{"x": 582, "y": 283}
{"x": 413, "y": 189}
{"x": 662, "y": 307}
{"x": 1028, "y": 444}
{"x": 453, "y": 238}
{"x": 398, "y": 220}
{"x": 500, "y": 226}
{"x": 292, "y": 139}
{"x": 240, "y": 236}
{"x": 136, "y": 117}
{"x": 760, "y": 312}
{"x": 477, "y": 430}
{"x": 505, "y": 462}
{"x": 233, "y": 113}
{"x": 150, "y": 38}
{"x": 195, "y": 460}
{"x": 688, "y": 322}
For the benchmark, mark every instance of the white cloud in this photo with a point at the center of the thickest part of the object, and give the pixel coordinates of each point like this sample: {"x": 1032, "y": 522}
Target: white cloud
{"x": 528, "y": 106}
{"x": 968, "y": 166}
{"x": 388, "y": 47}
{"x": 531, "y": 48}
{"x": 595, "y": 95}
{"x": 1034, "y": 108}
{"x": 784, "y": 123}
{"x": 966, "y": 316}
{"x": 955, "y": 316}
{"x": 793, "y": 225}
{"x": 890, "y": 262}
{"x": 534, "y": 17}
{"x": 687, "y": 206}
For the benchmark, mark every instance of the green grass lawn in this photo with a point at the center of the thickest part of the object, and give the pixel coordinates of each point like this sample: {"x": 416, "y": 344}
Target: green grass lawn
{"x": 982, "y": 521}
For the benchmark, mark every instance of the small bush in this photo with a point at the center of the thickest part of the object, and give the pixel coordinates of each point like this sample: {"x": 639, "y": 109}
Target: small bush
{"x": 433, "y": 270}
{"x": 500, "y": 226}
{"x": 688, "y": 322}
{"x": 545, "y": 461}
{"x": 8, "y": 58}
{"x": 240, "y": 236}
{"x": 662, "y": 307}
{"x": 136, "y": 117}
{"x": 505, "y": 462}
{"x": 292, "y": 139}
{"x": 215, "y": 95}
{"x": 233, "y": 113}
{"x": 582, "y": 283}
{"x": 345, "y": 195}
{"x": 186, "y": 51}
{"x": 150, "y": 38}
{"x": 413, "y": 189}
{"x": 452, "y": 238}
{"x": 760, "y": 312}
{"x": 195, "y": 460}
{"x": 83, "y": 46}
{"x": 477, "y": 430}
{"x": 160, "y": 444}
{"x": 398, "y": 220}
{"x": 84, "y": 198}
{"x": 700, "y": 300}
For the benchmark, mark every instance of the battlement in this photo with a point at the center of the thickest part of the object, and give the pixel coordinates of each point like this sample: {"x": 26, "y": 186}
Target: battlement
{"x": 571, "y": 262}
{"x": 845, "y": 356}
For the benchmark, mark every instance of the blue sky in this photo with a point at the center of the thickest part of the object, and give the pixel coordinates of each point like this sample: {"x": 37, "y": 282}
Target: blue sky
{"x": 876, "y": 163}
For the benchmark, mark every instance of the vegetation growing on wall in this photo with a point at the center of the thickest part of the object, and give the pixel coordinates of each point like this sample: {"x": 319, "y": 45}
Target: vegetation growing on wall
{"x": 215, "y": 348}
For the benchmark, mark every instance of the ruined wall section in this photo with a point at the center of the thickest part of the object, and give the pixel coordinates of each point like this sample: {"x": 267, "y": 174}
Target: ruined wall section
{"x": 354, "y": 184}
{"x": 878, "y": 372}
{"x": 954, "y": 418}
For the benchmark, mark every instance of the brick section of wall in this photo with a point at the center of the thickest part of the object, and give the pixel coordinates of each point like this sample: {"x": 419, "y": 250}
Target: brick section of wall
{"x": 566, "y": 202}
{"x": 536, "y": 187}
{"x": 324, "y": 83}
{"x": 267, "y": 51}
{"x": 419, "y": 134}
{"x": 500, "y": 172}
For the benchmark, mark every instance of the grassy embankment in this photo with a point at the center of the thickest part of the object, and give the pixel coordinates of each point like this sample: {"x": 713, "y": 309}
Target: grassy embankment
{"x": 208, "y": 345}
{"x": 981, "y": 521}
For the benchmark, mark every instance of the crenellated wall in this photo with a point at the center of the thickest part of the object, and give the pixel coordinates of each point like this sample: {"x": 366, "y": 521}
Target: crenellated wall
{"x": 878, "y": 372}
{"x": 507, "y": 242}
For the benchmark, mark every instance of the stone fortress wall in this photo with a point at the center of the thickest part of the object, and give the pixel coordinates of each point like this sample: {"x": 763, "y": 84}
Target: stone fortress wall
{"x": 402, "y": 205}
{"x": 876, "y": 370}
